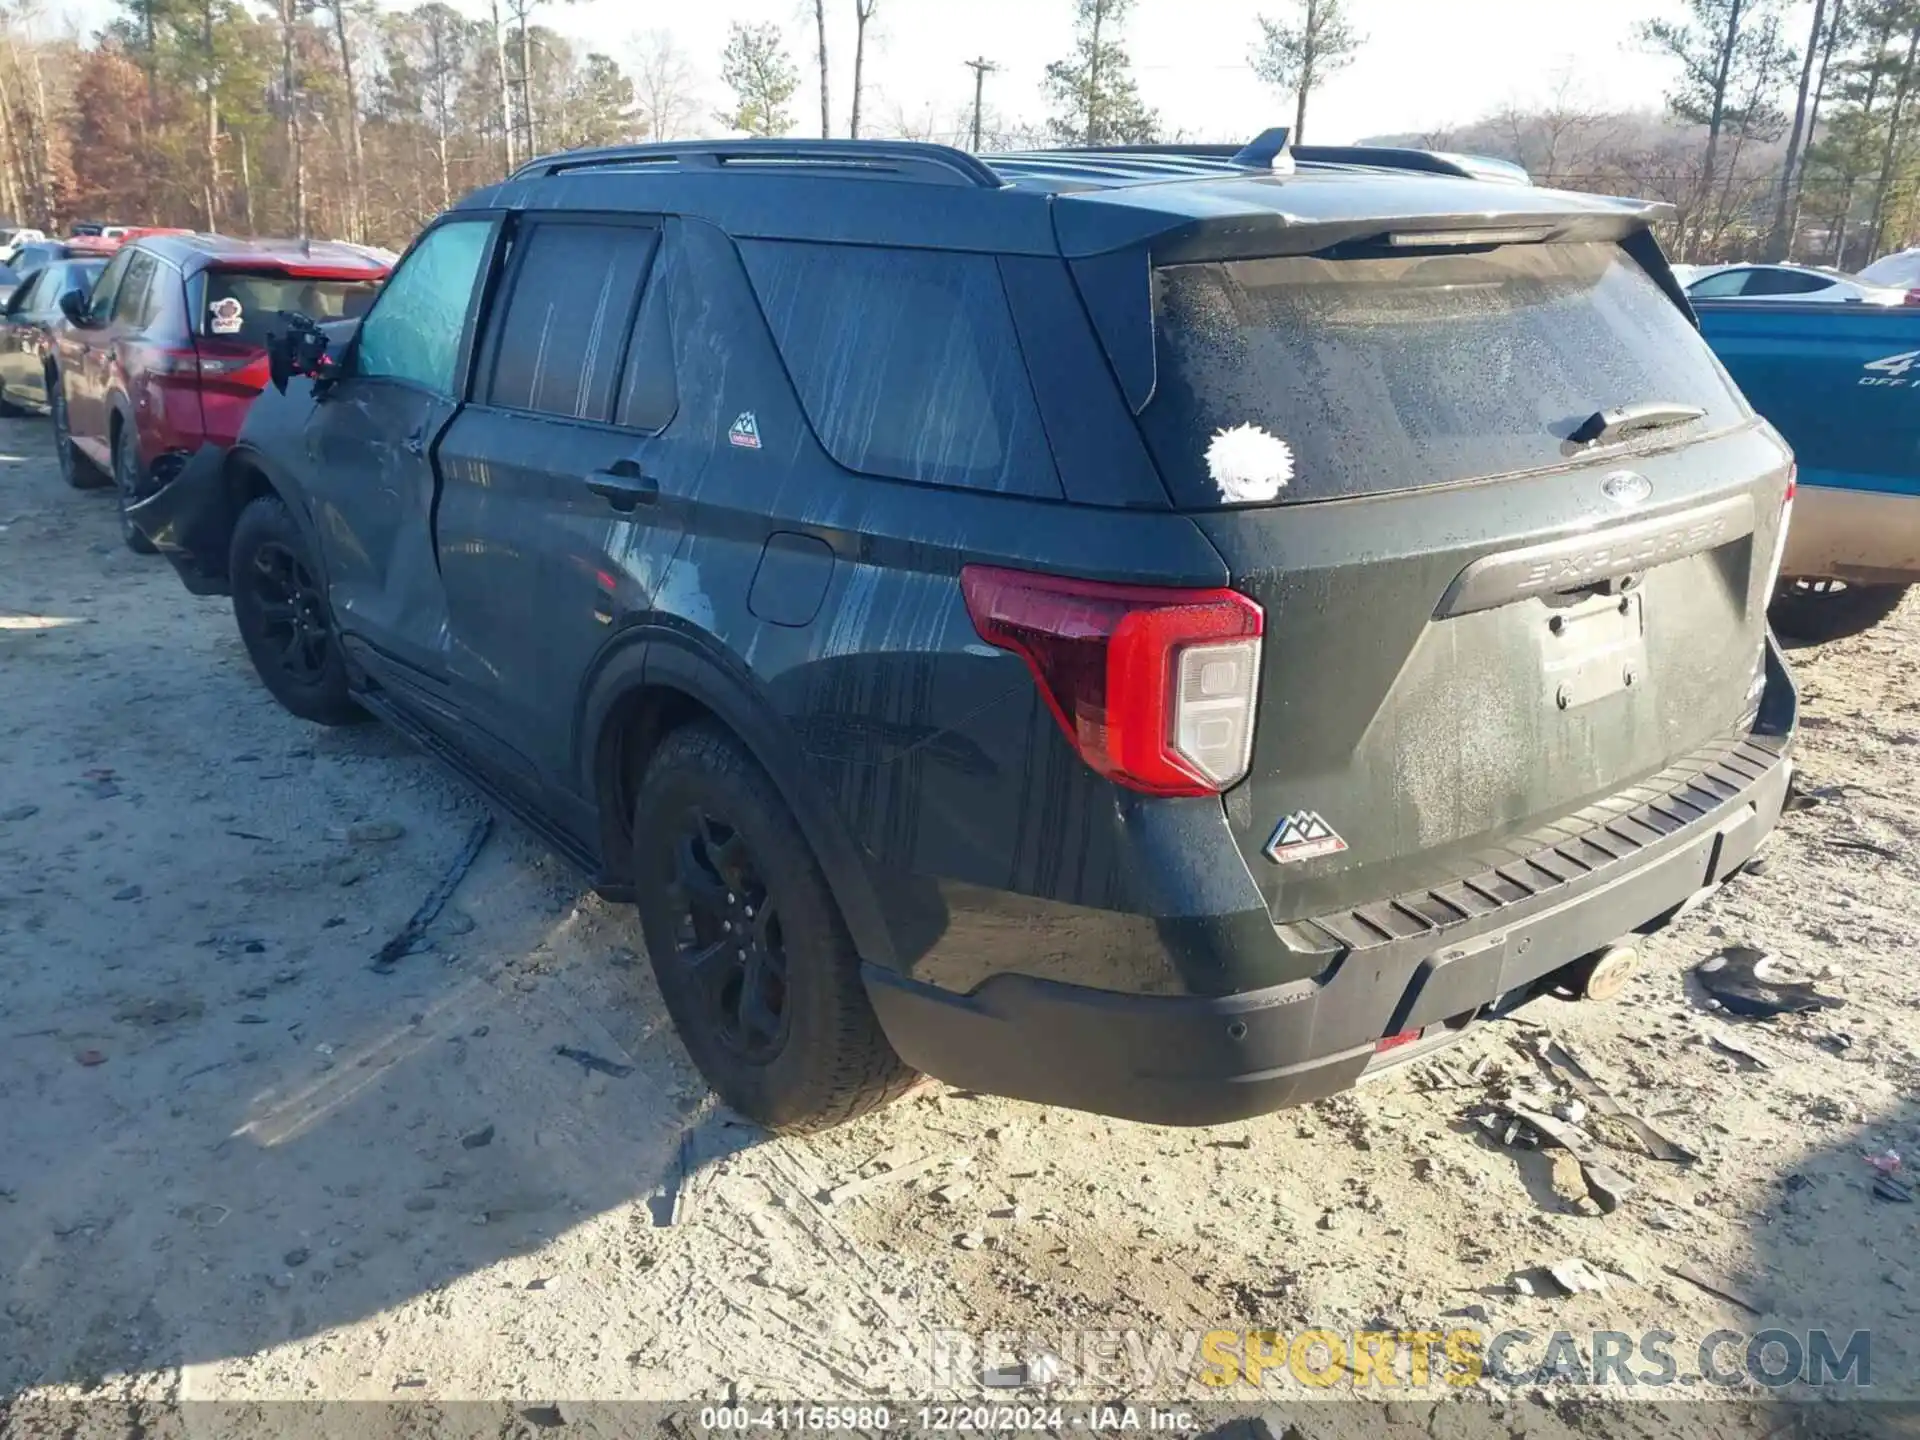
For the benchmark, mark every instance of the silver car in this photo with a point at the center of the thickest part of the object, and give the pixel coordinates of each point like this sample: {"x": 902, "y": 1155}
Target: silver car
{"x": 1787, "y": 282}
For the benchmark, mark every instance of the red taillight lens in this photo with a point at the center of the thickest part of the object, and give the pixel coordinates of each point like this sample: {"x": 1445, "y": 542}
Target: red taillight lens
{"x": 180, "y": 363}
{"x": 1780, "y": 541}
{"x": 1913, "y": 297}
{"x": 233, "y": 366}
{"x": 1154, "y": 687}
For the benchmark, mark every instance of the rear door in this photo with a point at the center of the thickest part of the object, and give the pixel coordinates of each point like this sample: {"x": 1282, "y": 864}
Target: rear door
{"x": 1476, "y": 624}
{"x": 20, "y": 366}
{"x": 86, "y": 360}
{"x": 549, "y": 490}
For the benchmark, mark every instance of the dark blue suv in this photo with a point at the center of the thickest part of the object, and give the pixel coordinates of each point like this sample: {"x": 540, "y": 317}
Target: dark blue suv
{"x": 1161, "y": 631}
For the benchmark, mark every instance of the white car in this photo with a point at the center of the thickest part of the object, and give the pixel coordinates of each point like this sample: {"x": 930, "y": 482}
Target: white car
{"x": 1901, "y": 270}
{"x": 1787, "y": 282}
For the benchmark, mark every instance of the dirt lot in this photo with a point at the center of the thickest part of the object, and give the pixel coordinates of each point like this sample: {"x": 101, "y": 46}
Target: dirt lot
{"x": 237, "y": 1162}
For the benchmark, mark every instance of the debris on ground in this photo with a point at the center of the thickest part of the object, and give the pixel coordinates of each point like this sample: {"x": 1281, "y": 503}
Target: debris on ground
{"x": 1725, "y": 1290}
{"x": 587, "y": 1060}
{"x": 1739, "y": 977}
{"x": 1864, "y": 847}
{"x": 1887, "y": 1188}
{"x": 854, "y": 1189}
{"x": 1562, "y": 1063}
{"x": 410, "y": 934}
{"x": 1886, "y": 1162}
{"x": 1577, "y": 1277}
{"x": 1740, "y": 1050}
{"x": 367, "y": 832}
{"x": 1605, "y": 1186}
{"x": 668, "y": 1204}
{"x": 478, "y": 1140}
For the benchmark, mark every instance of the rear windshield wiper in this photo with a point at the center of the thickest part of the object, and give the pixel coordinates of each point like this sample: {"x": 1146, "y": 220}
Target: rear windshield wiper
{"x": 1632, "y": 419}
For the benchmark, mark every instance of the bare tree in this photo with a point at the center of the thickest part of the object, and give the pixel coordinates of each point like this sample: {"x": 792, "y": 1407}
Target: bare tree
{"x": 1902, "y": 90}
{"x": 1778, "y": 238}
{"x": 826, "y": 102}
{"x": 500, "y": 66}
{"x": 288, "y": 14}
{"x": 1836, "y": 28}
{"x": 862, "y": 13}
{"x": 356, "y": 153}
{"x": 663, "y": 87}
{"x": 1561, "y": 137}
{"x": 1294, "y": 58}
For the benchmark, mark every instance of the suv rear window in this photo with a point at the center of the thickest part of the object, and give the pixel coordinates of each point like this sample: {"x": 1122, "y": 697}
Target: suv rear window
{"x": 1383, "y": 374}
{"x": 243, "y": 305}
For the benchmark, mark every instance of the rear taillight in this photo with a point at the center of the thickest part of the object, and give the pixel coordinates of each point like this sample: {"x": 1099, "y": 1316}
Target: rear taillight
{"x": 174, "y": 362}
{"x": 234, "y": 365}
{"x": 1154, "y": 687}
{"x": 1913, "y": 297}
{"x": 1780, "y": 542}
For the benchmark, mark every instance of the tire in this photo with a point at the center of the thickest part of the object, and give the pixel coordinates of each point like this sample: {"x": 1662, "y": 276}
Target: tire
{"x": 716, "y": 847}
{"x": 1816, "y": 611}
{"x": 78, "y": 471}
{"x": 126, "y": 490}
{"x": 284, "y": 619}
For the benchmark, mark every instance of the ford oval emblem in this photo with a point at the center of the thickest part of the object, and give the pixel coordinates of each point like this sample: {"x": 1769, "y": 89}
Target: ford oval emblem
{"x": 1624, "y": 487}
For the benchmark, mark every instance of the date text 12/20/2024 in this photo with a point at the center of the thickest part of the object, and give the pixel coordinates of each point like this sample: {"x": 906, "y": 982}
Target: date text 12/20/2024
{"x": 949, "y": 1419}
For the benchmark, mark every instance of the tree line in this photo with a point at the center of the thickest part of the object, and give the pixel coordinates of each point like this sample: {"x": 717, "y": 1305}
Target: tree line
{"x": 1792, "y": 127}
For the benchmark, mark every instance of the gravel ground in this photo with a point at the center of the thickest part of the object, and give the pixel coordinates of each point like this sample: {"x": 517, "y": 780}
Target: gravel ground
{"x": 239, "y": 1163}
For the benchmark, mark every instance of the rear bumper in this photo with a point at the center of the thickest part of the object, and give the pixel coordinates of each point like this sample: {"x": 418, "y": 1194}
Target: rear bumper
{"x": 1200, "y": 1060}
{"x": 1871, "y": 537}
{"x": 189, "y": 520}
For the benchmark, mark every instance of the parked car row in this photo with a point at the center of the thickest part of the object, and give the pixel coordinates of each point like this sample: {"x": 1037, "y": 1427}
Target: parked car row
{"x": 167, "y": 350}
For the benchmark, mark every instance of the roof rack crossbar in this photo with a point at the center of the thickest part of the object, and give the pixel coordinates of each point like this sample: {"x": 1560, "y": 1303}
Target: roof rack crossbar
{"x": 898, "y": 159}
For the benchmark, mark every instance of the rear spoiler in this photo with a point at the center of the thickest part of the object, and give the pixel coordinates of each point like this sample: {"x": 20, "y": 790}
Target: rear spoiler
{"x": 1116, "y": 283}
{"x": 1284, "y": 227}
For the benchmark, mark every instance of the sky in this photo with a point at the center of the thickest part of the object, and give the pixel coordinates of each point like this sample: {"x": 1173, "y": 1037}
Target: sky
{"x": 1426, "y": 64}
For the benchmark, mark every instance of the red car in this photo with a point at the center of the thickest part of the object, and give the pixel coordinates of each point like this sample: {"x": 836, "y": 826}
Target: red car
{"x": 169, "y": 351}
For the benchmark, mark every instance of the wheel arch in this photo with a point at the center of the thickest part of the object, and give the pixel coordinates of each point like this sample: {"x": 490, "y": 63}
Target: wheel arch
{"x": 660, "y": 679}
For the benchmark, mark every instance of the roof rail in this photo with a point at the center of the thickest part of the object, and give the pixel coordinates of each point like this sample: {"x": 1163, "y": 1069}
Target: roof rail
{"x": 890, "y": 159}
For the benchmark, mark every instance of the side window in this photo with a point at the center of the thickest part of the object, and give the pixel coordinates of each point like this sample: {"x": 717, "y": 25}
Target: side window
{"x": 133, "y": 304}
{"x": 1785, "y": 282}
{"x": 414, "y": 329}
{"x": 565, "y": 326}
{"x": 100, "y": 305}
{"x": 26, "y": 299}
{"x": 650, "y": 391}
{"x": 906, "y": 362}
{"x": 1722, "y": 286}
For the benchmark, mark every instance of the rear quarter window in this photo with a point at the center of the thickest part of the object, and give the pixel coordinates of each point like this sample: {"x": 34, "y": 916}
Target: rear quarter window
{"x": 906, "y": 362}
{"x": 1383, "y": 374}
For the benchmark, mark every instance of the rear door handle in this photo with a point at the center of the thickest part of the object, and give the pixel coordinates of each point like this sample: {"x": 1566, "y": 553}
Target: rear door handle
{"x": 416, "y": 443}
{"x": 624, "y": 485}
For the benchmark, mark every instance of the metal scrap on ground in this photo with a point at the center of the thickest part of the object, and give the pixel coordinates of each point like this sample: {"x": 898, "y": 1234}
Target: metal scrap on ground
{"x": 1738, "y": 978}
{"x": 404, "y": 939}
{"x": 1560, "y": 1061}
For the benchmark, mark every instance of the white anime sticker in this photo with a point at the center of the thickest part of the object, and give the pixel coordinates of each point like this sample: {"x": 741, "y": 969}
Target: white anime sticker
{"x": 1248, "y": 464}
